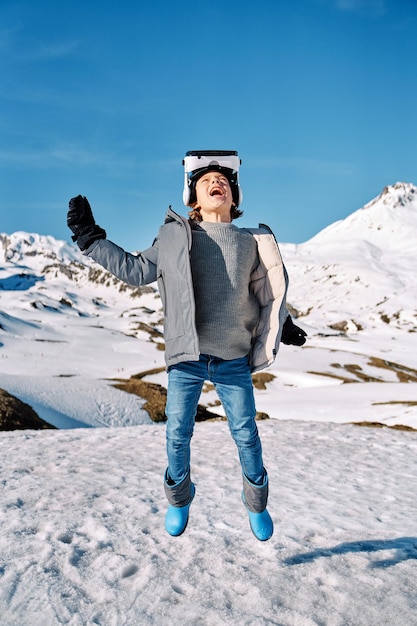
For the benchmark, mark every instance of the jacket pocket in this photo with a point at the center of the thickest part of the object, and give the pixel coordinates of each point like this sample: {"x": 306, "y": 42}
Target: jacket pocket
{"x": 169, "y": 290}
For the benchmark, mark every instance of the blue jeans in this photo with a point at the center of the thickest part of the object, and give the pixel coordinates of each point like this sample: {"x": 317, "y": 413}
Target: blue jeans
{"x": 233, "y": 383}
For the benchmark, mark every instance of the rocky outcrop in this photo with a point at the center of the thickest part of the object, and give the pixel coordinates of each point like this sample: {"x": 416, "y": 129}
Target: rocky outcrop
{"x": 16, "y": 415}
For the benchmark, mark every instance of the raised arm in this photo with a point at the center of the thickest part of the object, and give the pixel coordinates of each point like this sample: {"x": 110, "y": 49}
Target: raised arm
{"x": 133, "y": 269}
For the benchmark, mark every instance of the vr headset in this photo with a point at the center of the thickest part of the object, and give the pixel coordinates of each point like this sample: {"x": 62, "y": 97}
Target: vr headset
{"x": 198, "y": 162}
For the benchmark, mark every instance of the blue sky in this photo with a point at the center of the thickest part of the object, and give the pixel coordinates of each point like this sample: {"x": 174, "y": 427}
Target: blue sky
{"x": 104, "y": 98}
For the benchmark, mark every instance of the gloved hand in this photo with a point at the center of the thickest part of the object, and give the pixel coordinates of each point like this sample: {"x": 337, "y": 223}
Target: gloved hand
{"x": 81, "y": 221}
{"x": 292, "y": 334}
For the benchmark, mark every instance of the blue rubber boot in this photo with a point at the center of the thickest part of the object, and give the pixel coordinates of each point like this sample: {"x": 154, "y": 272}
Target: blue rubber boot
{"x": 254, "y": 498}
{"x": 261, "y": 525}
{"x": 176, "y": 518}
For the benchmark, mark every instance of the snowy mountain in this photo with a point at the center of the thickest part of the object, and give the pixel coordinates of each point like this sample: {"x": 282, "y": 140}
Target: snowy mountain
{"x": 362, "y": 268}
{"x": 389, "y": 221}
{"x": 39, "y": 272}
{"x": 359, "y": 273}
{"x": 352, "y": 287}
{"x": 34, "y": 258}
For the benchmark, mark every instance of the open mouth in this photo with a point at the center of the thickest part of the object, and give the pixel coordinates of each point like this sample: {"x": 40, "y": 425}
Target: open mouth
{"x": 216, "y": 191}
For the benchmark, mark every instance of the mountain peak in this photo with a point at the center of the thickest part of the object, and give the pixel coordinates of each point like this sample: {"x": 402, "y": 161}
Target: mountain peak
{"x": 54, "y": 275}
{"x": 399, "y": 194}
{"x": 389, "y": 221}
{"x": 18, "y": 246}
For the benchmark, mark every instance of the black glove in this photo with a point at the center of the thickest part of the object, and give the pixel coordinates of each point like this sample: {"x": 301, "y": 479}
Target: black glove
{"x": 81, "y": 221}
{"x": 292, "y": 334}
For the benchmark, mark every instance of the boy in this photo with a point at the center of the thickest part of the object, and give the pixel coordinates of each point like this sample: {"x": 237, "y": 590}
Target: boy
{"x": 223, "y": 292}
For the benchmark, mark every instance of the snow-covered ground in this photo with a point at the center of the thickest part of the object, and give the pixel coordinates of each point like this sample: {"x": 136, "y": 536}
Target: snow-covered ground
{"x": 82, "y": 509}
{"x": 82, "y": 539}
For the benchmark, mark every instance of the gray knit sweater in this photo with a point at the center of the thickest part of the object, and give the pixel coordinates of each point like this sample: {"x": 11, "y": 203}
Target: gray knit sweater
{"x": 222, "y": 260}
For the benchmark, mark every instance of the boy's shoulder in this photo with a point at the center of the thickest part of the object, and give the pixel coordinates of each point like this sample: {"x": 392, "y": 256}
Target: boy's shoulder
{"x": 172, "y": 217}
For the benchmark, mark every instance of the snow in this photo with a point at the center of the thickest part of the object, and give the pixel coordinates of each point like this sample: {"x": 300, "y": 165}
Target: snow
{"x": 82, "y": 540}
{"x": 82, "y": 508}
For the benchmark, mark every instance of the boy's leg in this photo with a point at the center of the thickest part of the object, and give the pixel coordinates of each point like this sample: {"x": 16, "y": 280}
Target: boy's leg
{"x": 185, "y": 382}
{"x": 233, "y": 383}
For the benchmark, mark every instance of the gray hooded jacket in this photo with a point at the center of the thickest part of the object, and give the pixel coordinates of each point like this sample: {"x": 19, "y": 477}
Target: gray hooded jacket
{"x": 167, "y": 261}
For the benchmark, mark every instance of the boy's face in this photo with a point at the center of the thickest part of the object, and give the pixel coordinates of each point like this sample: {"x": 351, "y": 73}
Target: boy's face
{"x": 214, "y": 197}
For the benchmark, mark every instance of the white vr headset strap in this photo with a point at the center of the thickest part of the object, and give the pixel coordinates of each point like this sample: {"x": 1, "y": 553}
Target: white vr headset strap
{"x": 186, "y": 191}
